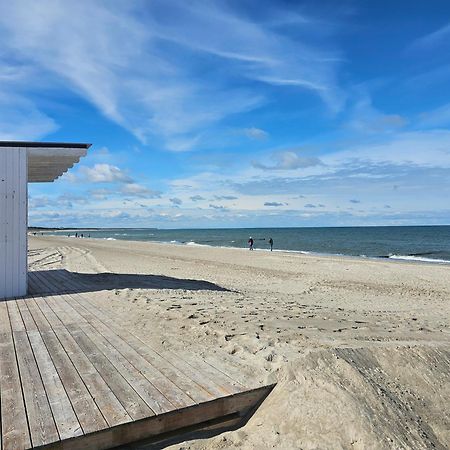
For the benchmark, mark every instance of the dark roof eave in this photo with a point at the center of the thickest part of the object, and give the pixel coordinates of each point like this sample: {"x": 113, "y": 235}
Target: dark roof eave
{"x": 43, "y": 144}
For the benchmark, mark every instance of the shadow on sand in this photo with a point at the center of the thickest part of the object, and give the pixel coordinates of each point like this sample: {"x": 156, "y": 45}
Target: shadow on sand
{"x": 61, "y": 281}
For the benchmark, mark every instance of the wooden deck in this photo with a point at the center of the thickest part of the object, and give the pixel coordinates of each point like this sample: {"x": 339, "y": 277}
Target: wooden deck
{"x": 71, "y": 377}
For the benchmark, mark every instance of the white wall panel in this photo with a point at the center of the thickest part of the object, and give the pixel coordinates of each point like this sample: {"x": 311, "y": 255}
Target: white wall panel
{"x": 13, "y": 222}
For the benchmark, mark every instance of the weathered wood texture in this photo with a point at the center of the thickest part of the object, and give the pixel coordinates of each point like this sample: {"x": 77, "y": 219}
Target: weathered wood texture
{"x": 71, "y": 377}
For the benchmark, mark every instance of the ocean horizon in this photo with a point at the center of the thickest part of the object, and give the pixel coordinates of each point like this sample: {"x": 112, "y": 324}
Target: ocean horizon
{"x": 426, "y": 243}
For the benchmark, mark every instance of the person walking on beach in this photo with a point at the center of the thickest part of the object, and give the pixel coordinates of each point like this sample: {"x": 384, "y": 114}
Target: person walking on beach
{"x": 271, "y": 244}
{"x": 250, "y": 243}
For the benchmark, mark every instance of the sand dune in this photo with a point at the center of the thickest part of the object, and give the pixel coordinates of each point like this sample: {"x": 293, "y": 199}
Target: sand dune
{"x": 359, "y": 349}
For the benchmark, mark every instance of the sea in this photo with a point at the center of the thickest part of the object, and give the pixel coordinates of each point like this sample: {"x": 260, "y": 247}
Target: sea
{"x": 429, "y": 244}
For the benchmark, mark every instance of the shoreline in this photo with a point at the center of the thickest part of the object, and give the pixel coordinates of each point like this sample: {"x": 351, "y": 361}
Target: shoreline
{"x": 391, "y": 258}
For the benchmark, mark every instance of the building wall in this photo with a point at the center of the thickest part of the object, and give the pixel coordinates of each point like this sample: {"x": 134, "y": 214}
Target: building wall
{"x": 13, "y": 222}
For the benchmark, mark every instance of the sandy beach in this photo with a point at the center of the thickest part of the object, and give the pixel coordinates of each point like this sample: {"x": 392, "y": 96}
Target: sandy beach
{"x": 359, "y": 348}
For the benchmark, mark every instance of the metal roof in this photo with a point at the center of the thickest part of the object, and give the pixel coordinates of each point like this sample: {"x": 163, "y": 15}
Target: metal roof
{"x": 48, "y": 160}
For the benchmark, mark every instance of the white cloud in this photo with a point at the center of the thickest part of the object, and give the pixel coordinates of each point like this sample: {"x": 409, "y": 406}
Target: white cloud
{"x": 104, "y": 173}
{"x": 288, "y": 160}
{"x": 39, "y": 202}
{"x": 364, "y": 117}
{"x": 430, "y": 148}
{"x": 115, "y": 55}
{"x": 256, "y": 133}
{"x": 137, "y": 190}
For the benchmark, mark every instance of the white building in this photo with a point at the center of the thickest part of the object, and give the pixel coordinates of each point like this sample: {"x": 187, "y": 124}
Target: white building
{"x": 22, "y": 163}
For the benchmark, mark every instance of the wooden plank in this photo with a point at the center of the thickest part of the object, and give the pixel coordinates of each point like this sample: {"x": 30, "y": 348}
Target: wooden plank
{"x": 132, "y": 402}
{"x": 38, "y": 317}
{"x": 229, "y": 409}
{"x": 214, "y": 381}
{"x": 86, "y": 409}
{"x": 137, "y": 378}
{"x": 53, "y": 277}
{"x": 40, "y": 419}
{"x": 55, "y": 303}
{"x": 167, "y": 394}
{"x": 154, "y": 398}
{"x": 63, "y": 413}
{"x": 5, "y": 326}
{"x": 196, "y": 377}
{"x": 14, "y": 316}
{"x": 59, "y": 283}
{"x": 14, "y": 426}
{"x": 84, "y": 405}
{"x": 65, "y": 281}
{"x": 111, "y": 408}
{"x": 33, "y": 286}
{"x": 46, "y": 286}
{"x": 176, "y": 396}
{"x": 140, "y": 353}
{"x": 51, "y": 317}
{"x": 26, "y": 316}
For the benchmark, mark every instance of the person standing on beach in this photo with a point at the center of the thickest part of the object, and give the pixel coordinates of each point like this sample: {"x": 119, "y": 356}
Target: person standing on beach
{"x": 250, "y": 243}
{"x": 271, "y": 244}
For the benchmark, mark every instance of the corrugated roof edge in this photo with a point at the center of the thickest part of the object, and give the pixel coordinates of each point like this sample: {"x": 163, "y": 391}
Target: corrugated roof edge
{"x": 43, "y": 144}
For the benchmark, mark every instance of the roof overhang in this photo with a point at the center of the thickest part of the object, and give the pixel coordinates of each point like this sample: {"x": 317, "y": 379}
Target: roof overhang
{"x": 49, "y": 160}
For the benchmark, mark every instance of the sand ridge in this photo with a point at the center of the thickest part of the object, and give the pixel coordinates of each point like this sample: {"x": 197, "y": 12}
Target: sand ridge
{"x": 360, "y": 348}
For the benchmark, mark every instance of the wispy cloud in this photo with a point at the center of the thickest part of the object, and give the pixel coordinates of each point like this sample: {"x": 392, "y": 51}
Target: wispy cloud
{"x": 104, "y": 173}
{"x": 288, "y": 160}
{"x": 436, "y": 118}
{"x": 225, "y": 197}
{"x": 256, "y": 133}
{"x": 137, "y": 190}
{"x": 197, "y": 198}
{"x": 365, "y": 118}
{"x": 433, "y": 39}
{"x": 128, "y": 59}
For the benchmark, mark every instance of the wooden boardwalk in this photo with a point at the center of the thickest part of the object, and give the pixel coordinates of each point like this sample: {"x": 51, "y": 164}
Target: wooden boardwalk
{"x": 71, "y": 377}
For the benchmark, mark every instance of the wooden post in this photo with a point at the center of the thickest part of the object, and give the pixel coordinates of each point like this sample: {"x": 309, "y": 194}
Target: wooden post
{"x": 13, "y": 222}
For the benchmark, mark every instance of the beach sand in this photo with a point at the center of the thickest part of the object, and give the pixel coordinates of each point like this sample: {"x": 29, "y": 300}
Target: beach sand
{"x": 359, "y": 348}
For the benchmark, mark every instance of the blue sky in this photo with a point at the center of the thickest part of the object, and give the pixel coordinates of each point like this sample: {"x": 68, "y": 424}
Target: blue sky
{"x": 233, "y": 113}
